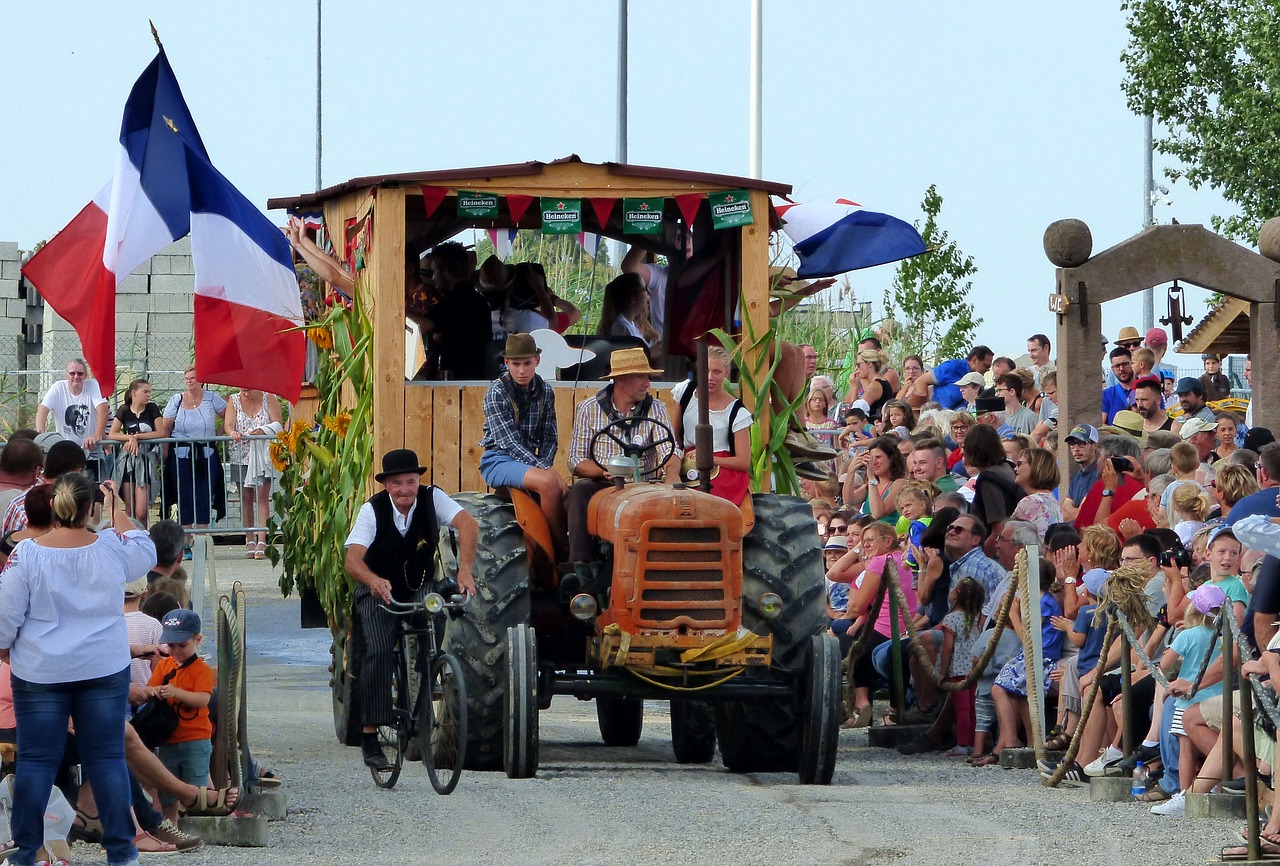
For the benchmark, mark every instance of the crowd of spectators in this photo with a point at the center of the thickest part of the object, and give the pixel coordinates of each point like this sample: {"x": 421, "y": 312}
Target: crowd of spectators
{"x": 1167, "y": 494}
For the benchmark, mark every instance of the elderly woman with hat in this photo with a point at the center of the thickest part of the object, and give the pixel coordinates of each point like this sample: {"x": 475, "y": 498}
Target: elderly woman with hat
{"x": 520, "y": 429}
{"x": 625, "y": 399}
{"x": 391, "y": 553}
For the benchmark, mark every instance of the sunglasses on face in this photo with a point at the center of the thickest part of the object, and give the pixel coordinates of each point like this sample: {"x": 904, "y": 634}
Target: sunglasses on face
{"x": 955, "y": 529}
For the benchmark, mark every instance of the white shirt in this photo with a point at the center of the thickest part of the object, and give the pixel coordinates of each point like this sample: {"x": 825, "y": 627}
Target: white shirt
{"x": 657, "y": 284}
{"x": 719, "y": 419}
{"x": 75, "y": 416}
{"x": 59, "y": 629}
{"x": 366, "y": 525}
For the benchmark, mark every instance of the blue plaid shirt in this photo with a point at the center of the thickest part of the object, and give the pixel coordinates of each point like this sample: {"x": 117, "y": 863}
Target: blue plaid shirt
{"x": 987, "y": 572}
{"x": 521, "y": 422}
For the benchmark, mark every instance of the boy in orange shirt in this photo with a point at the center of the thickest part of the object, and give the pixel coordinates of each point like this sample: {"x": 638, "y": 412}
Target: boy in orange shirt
{"x": 186, "y": 682}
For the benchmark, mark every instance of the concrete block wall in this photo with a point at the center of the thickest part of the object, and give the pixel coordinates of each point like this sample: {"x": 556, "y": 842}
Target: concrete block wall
{"x": 13, "y": 309}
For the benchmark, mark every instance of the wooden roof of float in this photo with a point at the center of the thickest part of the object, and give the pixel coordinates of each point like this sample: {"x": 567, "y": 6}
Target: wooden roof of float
{"x": 1224, "y": 330}
{"x": 567, "y": 176}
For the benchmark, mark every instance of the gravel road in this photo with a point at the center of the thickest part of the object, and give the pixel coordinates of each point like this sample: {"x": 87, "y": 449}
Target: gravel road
{"x": 592, "y": 804}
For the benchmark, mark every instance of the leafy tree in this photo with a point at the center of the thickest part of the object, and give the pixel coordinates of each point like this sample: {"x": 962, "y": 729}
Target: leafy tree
{"x": 1207, "y": 71}
{"x": 929, "y": 299}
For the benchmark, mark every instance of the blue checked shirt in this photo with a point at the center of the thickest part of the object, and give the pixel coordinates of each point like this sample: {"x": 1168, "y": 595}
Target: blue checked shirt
{"x": 521, "y": 422}
{"x": 986, "y": 571}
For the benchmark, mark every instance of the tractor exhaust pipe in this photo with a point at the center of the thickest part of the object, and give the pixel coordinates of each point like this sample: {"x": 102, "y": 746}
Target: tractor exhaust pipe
{"x": 705, "y": 462}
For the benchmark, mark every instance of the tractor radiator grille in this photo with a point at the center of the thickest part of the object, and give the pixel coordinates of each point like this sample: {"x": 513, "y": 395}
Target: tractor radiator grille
{"x": 681, "y": 578}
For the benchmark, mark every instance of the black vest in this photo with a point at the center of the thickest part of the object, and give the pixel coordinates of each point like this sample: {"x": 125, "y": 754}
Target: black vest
{"x": 408, "y": 561}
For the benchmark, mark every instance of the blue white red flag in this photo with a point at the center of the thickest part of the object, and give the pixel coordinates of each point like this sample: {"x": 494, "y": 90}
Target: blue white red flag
{"x": 164, "y": 188}
{"x": 836, "y": 237}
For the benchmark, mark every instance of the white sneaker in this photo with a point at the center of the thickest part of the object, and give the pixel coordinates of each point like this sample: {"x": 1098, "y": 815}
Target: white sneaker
{"x": 1175, "y": 805}
{"x": 1107, "y": 763}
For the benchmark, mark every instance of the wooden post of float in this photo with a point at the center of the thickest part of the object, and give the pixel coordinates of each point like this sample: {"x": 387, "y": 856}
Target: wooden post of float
{"x": 385, "y": 287}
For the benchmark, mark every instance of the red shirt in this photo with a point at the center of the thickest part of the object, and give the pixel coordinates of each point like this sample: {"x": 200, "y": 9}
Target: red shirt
{"x": 1134, "y": 508}
{"x": 1089, "y": 508}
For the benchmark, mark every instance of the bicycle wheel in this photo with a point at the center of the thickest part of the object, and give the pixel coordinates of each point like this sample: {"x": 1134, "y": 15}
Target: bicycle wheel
{"x": 394, "y": 737}
{"x": 442, "y": 724}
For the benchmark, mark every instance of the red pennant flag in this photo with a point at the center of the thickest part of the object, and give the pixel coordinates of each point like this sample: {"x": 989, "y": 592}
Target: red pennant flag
{"x": 432, "y": 196}
{"x": 517, "y": 205}
{"x": 603, "y": 208}
{"x": 689, "y": 204}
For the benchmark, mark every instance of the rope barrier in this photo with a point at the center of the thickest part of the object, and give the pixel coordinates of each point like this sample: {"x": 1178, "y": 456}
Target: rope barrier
{"x": 859, "y": 645}
{"x": 1086, "y": 708}
{"x": 1265, "y": 696}
{"x": 1152, "y": 667}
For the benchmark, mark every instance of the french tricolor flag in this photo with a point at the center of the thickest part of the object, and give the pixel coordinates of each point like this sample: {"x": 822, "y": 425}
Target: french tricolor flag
{"x": 836, "y": 237}
{"x": 165, "y": 187}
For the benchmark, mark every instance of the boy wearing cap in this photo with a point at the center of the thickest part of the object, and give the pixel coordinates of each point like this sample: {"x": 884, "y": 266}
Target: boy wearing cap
{"x": 1216, "y": 385}
{"x": 520, "y": 432}
{"x": 186, "y": 682}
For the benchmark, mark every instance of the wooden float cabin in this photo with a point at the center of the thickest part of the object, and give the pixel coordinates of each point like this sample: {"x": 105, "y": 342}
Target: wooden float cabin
{"x": 443, "y": 420}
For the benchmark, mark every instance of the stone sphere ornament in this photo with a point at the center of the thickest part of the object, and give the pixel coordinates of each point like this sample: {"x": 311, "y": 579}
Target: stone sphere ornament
{"x": 1269, "y": 239}
{"x": 1068, "y": 243}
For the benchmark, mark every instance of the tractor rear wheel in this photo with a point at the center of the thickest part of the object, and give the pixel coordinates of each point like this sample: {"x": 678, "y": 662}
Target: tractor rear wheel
{"x": 621, "y": 720}
{"x": 820, "y": 713}
{"x": 693, "y": 731}
{"x": 478, "y": 637}
{"x": 781, "y": 555}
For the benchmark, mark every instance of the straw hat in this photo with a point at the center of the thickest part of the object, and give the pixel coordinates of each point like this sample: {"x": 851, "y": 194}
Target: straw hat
{"x": 1128, "y": 334}
{"x": 629, "y": 362}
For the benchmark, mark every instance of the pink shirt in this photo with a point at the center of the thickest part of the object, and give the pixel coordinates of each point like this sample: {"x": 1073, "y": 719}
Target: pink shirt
{"x": 877, "y": 566}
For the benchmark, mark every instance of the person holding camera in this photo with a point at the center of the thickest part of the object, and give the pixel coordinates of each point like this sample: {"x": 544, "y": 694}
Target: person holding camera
{"x": 62, "y": 628}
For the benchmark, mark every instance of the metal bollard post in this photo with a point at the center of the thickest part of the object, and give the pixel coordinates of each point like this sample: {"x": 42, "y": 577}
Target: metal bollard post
{"x": 1228, "y": 710}
{"x": 1034, "y": 643}
{"x": 1126, "y": 695}
{"x": 1250, "y": 767}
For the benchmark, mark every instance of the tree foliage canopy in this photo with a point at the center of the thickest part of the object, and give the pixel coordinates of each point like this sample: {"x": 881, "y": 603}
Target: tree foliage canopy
{"x": 1208, "y": 71}
{"x": 929, "y": 298}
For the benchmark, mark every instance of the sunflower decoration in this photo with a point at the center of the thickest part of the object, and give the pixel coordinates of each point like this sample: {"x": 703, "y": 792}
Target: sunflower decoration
{"x": 338, "y": 424}
{"x": 277, "y": 452}
{"x": 321, "y": 336}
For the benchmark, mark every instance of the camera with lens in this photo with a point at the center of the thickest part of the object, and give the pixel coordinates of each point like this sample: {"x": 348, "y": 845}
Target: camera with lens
{"x": 1177, "y": 556}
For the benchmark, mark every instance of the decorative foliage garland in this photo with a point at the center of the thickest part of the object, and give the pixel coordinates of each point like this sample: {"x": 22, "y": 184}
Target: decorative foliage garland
{"x": 325, "y": 466}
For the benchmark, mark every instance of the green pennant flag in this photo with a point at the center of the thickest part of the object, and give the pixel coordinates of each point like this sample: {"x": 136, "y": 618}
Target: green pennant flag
{"x": 730, "y": 209}
{"x": 477, "y": 205}
{"x": 642, "y": 216}
{"x": 561, "y": 216}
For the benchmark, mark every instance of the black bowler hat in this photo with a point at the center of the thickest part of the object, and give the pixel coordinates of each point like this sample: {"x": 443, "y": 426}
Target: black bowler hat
{"x": 398, "y": 462}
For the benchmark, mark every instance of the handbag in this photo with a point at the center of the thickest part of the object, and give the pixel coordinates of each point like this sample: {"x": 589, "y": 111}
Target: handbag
{"x": 156, "y": 720}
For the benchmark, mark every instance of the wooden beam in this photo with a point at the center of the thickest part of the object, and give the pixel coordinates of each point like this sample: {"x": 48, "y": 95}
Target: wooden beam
{"x": 754, "y": 271}
{"x": 384, "y": 289}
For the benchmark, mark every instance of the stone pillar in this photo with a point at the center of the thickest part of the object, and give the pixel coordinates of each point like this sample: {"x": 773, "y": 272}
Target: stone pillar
{"x": 1266, "y": 365}
{"x": 1079, "y": 346}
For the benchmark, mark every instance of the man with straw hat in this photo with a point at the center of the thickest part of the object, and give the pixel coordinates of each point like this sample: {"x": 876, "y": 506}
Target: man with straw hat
{"x": 626, "y": 397}
{"x": 520, "y": 430}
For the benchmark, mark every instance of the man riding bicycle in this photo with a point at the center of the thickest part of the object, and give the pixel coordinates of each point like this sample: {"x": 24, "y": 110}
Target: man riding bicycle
{"x": 391, "y": 553}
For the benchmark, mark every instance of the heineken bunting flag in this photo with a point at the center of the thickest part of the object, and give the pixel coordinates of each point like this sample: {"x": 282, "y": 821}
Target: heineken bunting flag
{"x": 561, "y": 216}
{"x": 642, "y": 216}
{"x": 477, "y": 205}
{"x": 730, "y": 208}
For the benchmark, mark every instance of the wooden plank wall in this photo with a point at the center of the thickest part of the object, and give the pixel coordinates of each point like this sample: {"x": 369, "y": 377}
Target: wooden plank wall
{"x": 444, "y": 424}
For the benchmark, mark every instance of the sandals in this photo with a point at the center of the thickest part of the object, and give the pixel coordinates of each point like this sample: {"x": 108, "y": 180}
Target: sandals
{"x": 249, "y": 549}
{"x": 148, "y": 844}
{"x": 860, "y": 719}
{"x": 1270, "y": 849}
{"x": 261, "y": 552}
{"x": 1058, "y": 742}
{"x": 217, "y": 806}
{"x": 991, "y": 760}
{"x": 87, "y": 828}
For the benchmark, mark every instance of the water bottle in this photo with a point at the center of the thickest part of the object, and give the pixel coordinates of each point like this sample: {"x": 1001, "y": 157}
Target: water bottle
{"x": 1139, "y": 780}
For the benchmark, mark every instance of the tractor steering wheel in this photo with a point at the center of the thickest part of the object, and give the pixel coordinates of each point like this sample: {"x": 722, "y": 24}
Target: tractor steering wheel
{"x": 631, "y": 449}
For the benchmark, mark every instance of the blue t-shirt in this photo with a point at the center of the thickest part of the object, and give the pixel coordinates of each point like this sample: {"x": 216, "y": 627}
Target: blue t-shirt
{"x": 1191, "y": 644}
{"x": 1263, "y": 502}
{"x": 945, "y": 376}
{"x": 1091, "y": 649}
{"x": 1050, "y": 637}
{"x": 1082, "y": 482}
{"x": 1116, "y": 398}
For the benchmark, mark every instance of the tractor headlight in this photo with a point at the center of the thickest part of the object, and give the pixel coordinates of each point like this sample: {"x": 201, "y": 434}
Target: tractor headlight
{"x": 583, "y": 606}
{"x": 434, "y": 602}
{"x": 769, "y": 605}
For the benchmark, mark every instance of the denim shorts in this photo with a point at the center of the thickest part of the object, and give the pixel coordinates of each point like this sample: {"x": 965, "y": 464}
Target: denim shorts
{"x": 502, "y": 470}
{"x": 189, "y": 761}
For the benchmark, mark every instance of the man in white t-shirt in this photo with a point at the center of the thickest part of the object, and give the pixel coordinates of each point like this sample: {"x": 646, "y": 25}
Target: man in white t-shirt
{"x": 79, "y": 411}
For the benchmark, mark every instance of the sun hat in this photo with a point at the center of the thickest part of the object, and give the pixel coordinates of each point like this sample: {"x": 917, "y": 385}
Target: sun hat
{"x": 135, "y": 588}
{"x": 1130, "y": 422}
{"x": 1196, "y": 425}
{"x": 629, "y": 362}
{"x": 1207, "y": 598}
{"x": 1128, "y": 334}
{"x": 180, "y": 626}
{"x": 521, "y": 346}
{"x": 47, "y": 440}
{"x": 972, "y": 378}
{"x": 398, "y": 462}
{"x": 836, "y": 542}
{"x": 984, "y": 405}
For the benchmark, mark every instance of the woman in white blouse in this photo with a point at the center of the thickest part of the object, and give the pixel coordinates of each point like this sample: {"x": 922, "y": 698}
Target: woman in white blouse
{"x": 730, "y": 429}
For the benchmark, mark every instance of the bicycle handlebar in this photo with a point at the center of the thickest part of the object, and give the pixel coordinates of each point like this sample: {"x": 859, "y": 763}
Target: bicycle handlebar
{"x": 404, "y": 608}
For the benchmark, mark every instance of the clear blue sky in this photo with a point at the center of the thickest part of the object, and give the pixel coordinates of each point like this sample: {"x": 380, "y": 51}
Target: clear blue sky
{"x": 1014, "y": 110}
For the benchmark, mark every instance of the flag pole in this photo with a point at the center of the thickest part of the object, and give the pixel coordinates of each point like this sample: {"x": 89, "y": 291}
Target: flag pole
{"x": 154, "y": 34}
{"x": 756, "y": 148}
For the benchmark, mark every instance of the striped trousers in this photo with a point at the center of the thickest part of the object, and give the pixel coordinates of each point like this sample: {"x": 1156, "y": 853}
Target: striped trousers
{"x": 377, "y": 661}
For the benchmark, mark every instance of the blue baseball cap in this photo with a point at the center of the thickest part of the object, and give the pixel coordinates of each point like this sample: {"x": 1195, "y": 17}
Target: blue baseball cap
{"x": 1083, "y": 433}
{"x": 180, "y": 626}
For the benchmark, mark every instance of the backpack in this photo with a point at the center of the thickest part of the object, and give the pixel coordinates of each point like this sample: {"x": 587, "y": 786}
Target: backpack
{"x": 736, "y": 406}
